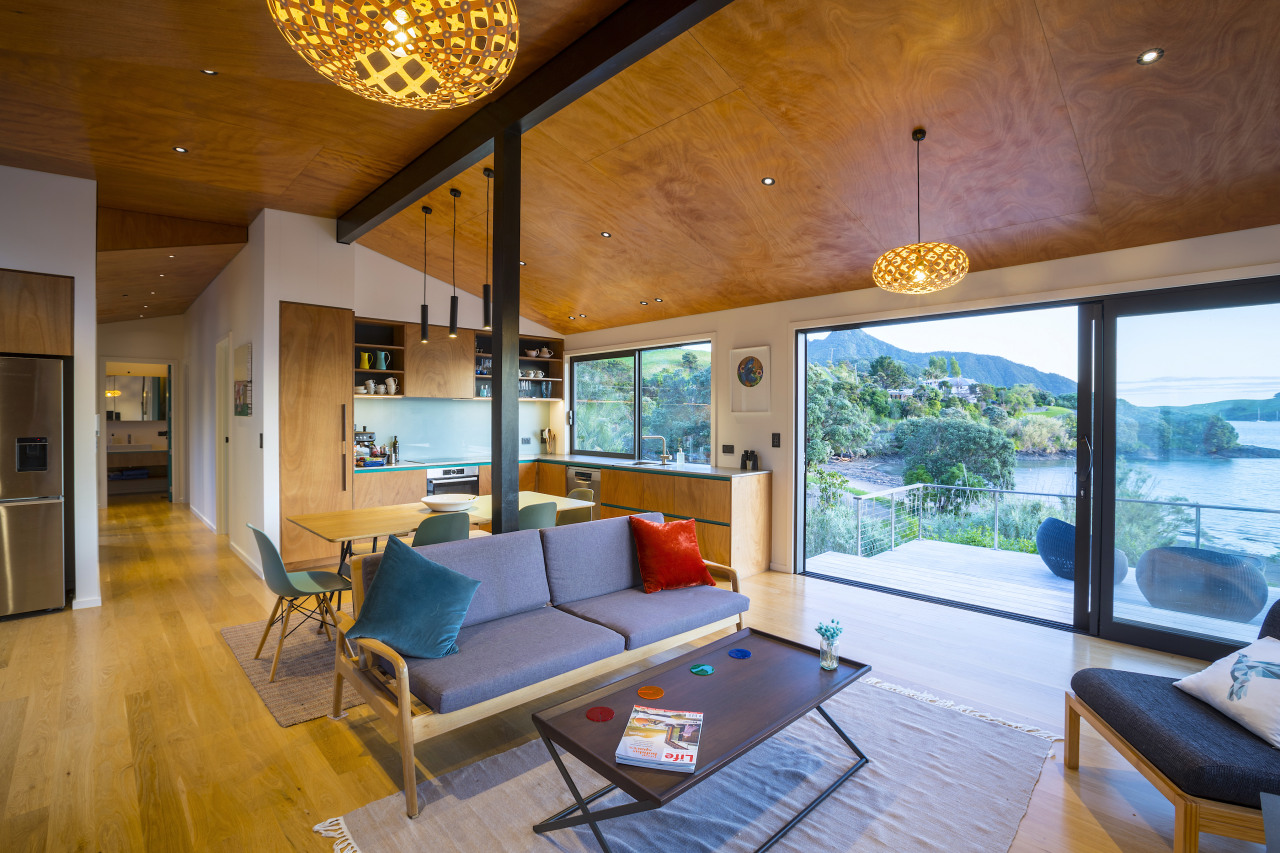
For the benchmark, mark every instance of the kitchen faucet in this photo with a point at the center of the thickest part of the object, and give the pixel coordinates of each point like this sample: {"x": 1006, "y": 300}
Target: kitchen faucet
{"x": 666, "y": 459}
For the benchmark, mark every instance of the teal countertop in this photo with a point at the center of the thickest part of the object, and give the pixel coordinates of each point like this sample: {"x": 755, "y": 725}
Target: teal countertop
{"x": 687, "y": 470}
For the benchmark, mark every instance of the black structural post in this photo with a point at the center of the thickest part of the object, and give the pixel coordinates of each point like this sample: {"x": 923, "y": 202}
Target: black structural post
{"x": 506, "y": 330}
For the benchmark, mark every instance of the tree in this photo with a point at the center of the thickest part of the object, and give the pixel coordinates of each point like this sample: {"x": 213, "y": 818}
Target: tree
{"x": 937, "y": 368}
{"x": 996, "y": 415}
{"x": 889, "y": 373}
{"x": 1068, "y": 401}
{"x": 1219, "y": 435}
{"x": 940, "y": 444}
{"x": 835, "y": 422}
{"x": 954, "y": 367}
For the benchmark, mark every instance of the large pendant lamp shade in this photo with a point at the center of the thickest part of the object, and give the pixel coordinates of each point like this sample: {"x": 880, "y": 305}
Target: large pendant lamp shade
{"x": 453, "y": 300}
{"x": 488, "y": 288}
{"x": 424, "y": 54}
{"x": 426, "y": 211}
{"x": 920, "y": 267}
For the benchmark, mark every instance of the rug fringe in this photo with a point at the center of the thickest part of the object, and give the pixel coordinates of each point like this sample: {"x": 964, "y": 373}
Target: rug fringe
{"x": 336, "y": 827}
{"x": 921, "y": 696}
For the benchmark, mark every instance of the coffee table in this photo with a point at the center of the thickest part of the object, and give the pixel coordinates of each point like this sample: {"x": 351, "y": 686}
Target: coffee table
{"x": 744, "y": 703}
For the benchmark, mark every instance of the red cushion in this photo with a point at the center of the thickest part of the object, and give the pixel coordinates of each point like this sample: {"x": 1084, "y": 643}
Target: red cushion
{"x": 668, "y": 554}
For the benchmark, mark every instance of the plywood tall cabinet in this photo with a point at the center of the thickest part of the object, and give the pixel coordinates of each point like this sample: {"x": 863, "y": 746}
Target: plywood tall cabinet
{"x": 315, "y": 422}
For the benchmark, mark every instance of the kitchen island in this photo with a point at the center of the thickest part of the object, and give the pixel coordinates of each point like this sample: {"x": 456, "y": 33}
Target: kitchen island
{"x": 732, "y": 507}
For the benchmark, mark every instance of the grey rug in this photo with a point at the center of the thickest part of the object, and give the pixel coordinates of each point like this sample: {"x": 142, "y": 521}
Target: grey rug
{"x": 303, "y": 689}
{"x": 938, "y": 779}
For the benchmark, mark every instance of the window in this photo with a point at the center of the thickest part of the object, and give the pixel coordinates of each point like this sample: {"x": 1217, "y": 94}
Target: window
{"x": 633, "y": 403}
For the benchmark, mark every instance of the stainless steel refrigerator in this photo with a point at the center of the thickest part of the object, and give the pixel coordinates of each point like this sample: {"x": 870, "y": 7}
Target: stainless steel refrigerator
{"x": 32, "y": 560}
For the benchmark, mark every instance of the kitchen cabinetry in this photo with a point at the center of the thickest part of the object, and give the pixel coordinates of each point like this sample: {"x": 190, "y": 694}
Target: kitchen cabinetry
{"x": 387, "y": 488}
{"x": 379, "y": 341}
{"x": 551, "y": 478}
{"x": 528, "y": 478}
{"x": 549, "y": 386}
{"x": 315, "y": 420}
{"x": 443, "y": 367}
{"x": 35, "y": 313}
{"x": 733, "y": 515}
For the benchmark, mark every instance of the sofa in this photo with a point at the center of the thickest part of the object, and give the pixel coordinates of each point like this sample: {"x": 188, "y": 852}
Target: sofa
{"x": 1211, "y": 768}
{"x": 554, "y": 607}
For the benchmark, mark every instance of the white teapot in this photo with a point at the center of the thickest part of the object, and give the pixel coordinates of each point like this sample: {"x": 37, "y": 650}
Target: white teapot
{"x": 391, "y": 385}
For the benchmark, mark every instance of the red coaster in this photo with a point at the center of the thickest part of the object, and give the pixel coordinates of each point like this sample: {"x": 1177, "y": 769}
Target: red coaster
{"x": 650, "y": 692}
{"x": 600, "y": 714}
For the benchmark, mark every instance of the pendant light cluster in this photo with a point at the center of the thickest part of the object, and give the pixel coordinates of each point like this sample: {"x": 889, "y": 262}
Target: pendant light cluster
{"x": 920, "y": 267}
{"x": 423, "y": 54}
{"x": 453, "y": 299}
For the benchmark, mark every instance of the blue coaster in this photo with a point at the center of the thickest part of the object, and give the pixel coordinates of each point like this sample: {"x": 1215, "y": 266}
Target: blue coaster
{"x": 702, "y": 669}
{"x": 740, "y": 654}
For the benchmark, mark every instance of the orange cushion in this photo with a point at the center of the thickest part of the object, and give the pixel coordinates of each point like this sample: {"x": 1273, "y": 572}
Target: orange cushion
{"x": 668, "y": 554}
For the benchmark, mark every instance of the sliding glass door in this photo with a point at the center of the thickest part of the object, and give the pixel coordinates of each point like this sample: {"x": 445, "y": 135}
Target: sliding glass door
{"x": 1190, "y": 515}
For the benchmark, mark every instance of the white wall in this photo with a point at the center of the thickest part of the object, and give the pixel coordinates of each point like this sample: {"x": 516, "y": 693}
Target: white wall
{"x": 289, "y": 258}
{"x": 153, "y": 340}
{"x": 1221, "y": 257}
{"x": 48, "y": 224}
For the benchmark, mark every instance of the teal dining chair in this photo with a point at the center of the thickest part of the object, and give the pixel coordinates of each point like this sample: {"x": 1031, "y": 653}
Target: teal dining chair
{"x": 576, "y": 516}
{"x": 292, "y": 588}
{"x": 537, "y": 516}
{"x": 448, "y": 527}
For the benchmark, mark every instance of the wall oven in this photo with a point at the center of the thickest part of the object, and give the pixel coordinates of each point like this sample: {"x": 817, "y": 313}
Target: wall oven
{"x": 462, "y": 480}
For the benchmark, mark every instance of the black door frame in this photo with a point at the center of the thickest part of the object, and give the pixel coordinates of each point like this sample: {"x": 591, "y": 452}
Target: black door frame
{"x": 1232, "y": 294}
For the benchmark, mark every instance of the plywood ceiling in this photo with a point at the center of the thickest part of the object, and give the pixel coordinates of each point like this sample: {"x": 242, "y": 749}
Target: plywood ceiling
{"x": 1046, "y": 139}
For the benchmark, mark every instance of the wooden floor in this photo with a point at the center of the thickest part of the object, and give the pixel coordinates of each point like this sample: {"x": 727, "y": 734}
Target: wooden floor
{"x": 131, "y": 728}
{"x": 1012, "y": 582}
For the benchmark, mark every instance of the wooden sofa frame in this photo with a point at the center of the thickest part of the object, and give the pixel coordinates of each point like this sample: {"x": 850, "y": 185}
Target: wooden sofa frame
{"x": 412, "y": 722}
{"x": 1192, "y": 815}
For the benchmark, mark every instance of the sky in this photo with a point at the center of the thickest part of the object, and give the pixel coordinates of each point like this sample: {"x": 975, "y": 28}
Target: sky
{"x": 1162, "y": 359}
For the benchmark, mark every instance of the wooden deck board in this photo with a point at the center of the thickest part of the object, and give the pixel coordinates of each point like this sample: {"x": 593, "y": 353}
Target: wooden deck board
{"x": 1012, "y": 582}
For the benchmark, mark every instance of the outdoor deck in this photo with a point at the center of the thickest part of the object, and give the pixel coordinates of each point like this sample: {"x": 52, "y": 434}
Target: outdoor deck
{"x": 1009, "y": 581}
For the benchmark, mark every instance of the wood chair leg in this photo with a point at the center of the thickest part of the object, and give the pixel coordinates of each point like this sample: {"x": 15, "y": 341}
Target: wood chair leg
{"x": 284, "y": 629}
{"x": 1186, "y": 827}
{"x": 1071, "y": 748}
{"x": 271, "y": 620}
{"x": 322, "y": 605}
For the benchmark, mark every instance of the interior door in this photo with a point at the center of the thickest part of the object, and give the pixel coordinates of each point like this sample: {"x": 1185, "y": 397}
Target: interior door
{"x": 1189, "y": 531}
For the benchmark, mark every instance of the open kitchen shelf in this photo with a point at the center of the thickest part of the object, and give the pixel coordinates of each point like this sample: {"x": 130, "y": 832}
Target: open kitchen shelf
{"x": 552, "y": 365}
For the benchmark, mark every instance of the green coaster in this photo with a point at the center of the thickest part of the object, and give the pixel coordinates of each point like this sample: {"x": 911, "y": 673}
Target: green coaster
{"x": 702, "y": 669}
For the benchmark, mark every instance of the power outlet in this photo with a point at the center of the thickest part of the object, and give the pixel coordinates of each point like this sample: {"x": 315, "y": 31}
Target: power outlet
{"x": 726, "y": 449}
{"x": 777, "y": 439}
{"x": 526, "y": 440}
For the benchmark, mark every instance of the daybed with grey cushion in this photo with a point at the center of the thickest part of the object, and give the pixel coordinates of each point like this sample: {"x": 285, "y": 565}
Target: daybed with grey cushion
{"x": 1210, "y": 768}
{"x": 554, "y": 607}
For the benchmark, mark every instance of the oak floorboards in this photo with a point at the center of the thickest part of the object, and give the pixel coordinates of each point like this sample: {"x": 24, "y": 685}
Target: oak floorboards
{"x": 131, "y": 728}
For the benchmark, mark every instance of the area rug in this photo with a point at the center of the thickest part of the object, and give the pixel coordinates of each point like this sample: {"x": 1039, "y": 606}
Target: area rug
{"x": 940, "y": 778}
{"x": 303, "y": 689}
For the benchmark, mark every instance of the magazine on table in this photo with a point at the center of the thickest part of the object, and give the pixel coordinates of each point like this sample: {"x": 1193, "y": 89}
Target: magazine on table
{"x": 661, "y": 739}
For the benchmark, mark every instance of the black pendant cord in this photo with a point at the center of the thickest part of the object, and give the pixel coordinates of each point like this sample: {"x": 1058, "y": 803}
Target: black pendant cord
{"x": 487, "y": 321}
{"x": 423, "y": 334}
{"x": 918, "y": 232}
{"x": 453, "y": 300}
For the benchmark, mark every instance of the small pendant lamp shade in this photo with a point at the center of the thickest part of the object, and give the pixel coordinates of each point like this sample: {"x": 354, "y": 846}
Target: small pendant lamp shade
{"x": 920, "y": 267}
{"x": 423, "y": 54}
{"x": 488, "y": 289}
{"x": 453, "y": 300}
{"x": 424, "y": 336}
{"x": 488, "y": 306}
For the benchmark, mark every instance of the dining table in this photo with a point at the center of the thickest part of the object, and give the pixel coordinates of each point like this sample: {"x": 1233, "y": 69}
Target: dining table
{"x": 344, "y": 526}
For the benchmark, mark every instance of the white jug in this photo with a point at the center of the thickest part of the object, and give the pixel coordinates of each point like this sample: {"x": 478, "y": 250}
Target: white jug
{"x": 391, "y": 385}
{"x": 369, "y": 384}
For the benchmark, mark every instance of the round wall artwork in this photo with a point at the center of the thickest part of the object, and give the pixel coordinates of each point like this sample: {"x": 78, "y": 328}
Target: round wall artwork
{"x": 750, "y": 371}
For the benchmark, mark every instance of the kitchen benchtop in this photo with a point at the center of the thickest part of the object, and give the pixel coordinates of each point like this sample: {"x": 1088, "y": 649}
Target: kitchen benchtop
{"x": 688, "y": 469}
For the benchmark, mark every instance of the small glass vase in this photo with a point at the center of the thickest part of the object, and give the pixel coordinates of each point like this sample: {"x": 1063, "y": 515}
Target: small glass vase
{"x": 830, "y": 658}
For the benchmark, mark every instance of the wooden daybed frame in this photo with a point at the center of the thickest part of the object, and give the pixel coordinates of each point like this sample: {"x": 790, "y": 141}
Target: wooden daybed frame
{"x": 413, "y": 722}
{"x": 1192, "y": 815}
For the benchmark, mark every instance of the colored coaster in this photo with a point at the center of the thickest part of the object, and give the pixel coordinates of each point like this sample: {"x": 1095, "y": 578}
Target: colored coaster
{"x": 702, "y": 669}
{"x": 740, "y": 654}
{"x": 599, "y": 714}
{"x": 650, "y": 692}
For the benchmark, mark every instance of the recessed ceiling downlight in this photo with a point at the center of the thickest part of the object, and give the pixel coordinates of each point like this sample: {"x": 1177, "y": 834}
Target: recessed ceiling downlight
{"x": 1148, "y": 57}
{"x": 768, "y": 182}
{"x": 179, "y": 149}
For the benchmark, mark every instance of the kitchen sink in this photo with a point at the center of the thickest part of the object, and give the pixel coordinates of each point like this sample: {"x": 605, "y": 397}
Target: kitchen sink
{"x": 647, "y": 462}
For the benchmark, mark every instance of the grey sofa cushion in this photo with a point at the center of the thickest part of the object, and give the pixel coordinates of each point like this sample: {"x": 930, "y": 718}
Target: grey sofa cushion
{"x": 646, "y": 618}
{"x": 591, "y": 559}
{"x": 503, "y": 655}
{"x": 1201, "y": 751}
{"x": 512, "y": 576}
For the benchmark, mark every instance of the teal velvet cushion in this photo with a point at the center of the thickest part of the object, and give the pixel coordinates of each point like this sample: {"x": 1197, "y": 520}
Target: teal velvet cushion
{"x": 414, "y": 605}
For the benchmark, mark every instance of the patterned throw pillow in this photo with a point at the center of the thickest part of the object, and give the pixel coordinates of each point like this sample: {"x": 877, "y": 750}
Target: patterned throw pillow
{"x": 1245, "y": 685}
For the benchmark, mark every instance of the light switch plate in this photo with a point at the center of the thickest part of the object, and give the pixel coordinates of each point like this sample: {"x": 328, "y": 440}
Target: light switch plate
{"x": 777, "y": 439}
{"x": 526, "y": 440}
{"x": 727, "y": 449}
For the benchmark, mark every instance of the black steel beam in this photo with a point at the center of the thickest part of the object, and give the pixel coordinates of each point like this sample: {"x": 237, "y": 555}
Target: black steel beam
{"x": 505, "y": 425}
{"x": 635, "y": 30}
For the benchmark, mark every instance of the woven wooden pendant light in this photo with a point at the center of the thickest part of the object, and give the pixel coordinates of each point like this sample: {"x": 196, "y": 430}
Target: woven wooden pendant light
{"x": 424, "y": 54}
{"x": 920, "y": 267}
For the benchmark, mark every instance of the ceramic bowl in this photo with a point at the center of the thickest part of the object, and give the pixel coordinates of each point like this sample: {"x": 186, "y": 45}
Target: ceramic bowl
{"x": 532, "y": 353}
{"x": 360, "y": 389}
{"x": 449, "y": 503}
